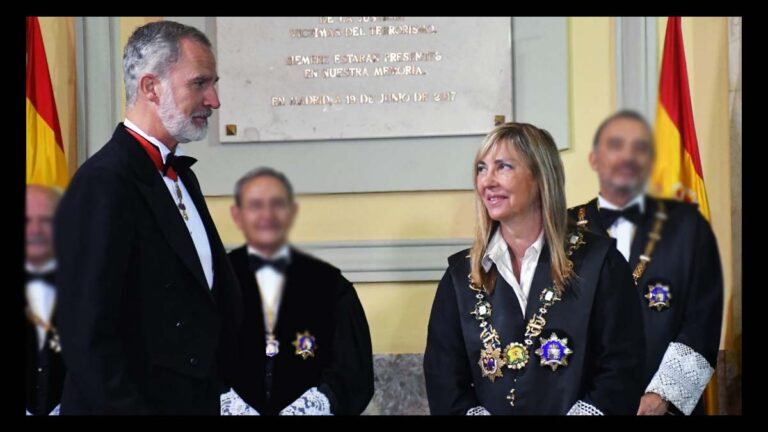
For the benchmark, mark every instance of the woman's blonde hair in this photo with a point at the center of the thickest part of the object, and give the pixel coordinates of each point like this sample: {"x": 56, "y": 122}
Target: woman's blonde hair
{"x": 539, "y": 153}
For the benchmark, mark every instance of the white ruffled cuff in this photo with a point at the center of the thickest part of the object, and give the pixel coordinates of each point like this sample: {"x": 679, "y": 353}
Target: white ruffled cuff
{"x": 478, "y": 411}
{"x": 54, "y": 412}
{"x": 682, "y": 377}
{"x": 233, "y": 405}
{"x": 583, "y": 408}
{"x": 312, "y": 402}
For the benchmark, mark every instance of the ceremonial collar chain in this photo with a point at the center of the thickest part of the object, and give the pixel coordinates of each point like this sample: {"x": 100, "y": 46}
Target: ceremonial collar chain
{"x": 552, "y": 350}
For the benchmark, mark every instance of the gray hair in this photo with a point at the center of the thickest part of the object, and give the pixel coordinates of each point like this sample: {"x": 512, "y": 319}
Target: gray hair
{"x": 153, "y": 48}
{"x": 53, "y": 193}
{"x": 263, "y": 172}
{"x": 625, "y": 114}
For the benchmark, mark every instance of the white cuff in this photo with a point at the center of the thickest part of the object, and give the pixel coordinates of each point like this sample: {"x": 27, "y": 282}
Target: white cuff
{"x": 583, "y": 408}
{"x": 233, "y": 405}
{"x": 54, "y": 412}
{"x": 682, "y": 377}
{"x": 312, "y": 402}
{"x": 478, "y": 411}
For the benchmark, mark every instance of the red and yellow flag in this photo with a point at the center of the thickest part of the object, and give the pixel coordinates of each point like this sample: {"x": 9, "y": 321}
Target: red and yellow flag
{"x": 46, "y": 163}
{"x": 677, "y": 170}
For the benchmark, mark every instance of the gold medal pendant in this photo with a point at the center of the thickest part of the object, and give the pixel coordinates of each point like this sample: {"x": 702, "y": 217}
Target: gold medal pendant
{"x": 305, "y": 345}
{"x": 180, "y": 204}
{"x": 273, "y": 346}
{"x": 491, "y": 363}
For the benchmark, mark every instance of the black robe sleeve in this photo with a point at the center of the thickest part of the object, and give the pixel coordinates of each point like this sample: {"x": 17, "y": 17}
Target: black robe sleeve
{"x": 92, "y": 249}
{"x": 615, "y": 382}
{"x": 691, "y": 358}
{"x": 446, "y": 368}
{"x": 704, "y": 309}
{"x": 348, "y": 382}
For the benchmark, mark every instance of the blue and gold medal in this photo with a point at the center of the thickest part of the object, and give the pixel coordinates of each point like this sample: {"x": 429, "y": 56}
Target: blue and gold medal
{"x": 554, "y": 351}
{"x": 659, "y": 296}
{"x": 305, "y": 345}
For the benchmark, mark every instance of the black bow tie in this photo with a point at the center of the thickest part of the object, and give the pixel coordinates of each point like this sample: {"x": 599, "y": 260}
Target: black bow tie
{"x": 49, "y": 276}
{"x": 256, "y": 263}
{"x": 178, "y": 163}
{"x": 631, "y": 213}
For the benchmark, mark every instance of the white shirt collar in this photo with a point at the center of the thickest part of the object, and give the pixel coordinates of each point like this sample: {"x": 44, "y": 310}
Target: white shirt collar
{"x": 283, "y": 252}
{"x": 498, "y": 247}
{"x": 639, "y": 200}
{"x": 164, "y": 150}
{"x": 50, "y": 265}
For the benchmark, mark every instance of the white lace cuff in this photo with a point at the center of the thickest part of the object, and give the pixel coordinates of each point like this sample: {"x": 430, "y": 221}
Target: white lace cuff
{"x": 682, "y": 377}
{"x": 478, "y": 410}
{"x": 583, "y": 408}
{"x": 233, "y": 405}
{"x": 53, "y": 412}
{"x": 312, "y": 402}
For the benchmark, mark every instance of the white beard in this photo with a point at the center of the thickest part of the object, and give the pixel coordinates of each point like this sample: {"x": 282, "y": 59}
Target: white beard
{"x": 179, "y": 126}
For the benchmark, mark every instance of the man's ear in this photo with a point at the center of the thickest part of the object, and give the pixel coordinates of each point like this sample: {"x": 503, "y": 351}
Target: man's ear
{"x": 149, "y": 87}
{"x": 234, "y": 211}
{"x": 593, "y": 159}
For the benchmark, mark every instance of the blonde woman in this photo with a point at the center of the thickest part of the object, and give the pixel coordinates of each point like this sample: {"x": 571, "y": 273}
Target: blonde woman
{"x": 539, "y": 316}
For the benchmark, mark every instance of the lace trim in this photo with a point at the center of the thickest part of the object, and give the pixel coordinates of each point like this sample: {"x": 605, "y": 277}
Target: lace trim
{"x": 478, "y": 411}
{"x": 682, "y": 377}
{"x": 583, "y": 408}
{"x": 312, "y": 402}
{"x": 233, "y": 405}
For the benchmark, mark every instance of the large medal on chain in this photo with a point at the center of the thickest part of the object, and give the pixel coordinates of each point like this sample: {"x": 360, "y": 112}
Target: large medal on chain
{"x": 491, "y": 362}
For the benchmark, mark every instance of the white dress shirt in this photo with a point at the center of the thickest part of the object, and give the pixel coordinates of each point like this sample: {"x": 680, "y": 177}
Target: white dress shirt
{"x": 622, "y": 230}
{"x": 270, "y": 282}
{"x": 195, "y": 223}
{"x": 41, "y": 298}
{"x": 497, "y": 253}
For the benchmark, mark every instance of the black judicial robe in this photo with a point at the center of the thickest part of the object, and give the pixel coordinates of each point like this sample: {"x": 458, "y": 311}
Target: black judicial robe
{"x": 141, "y": 331}
{"x": 44, "y": 368}
{"x": 597, "y": 314}
{"x": 318, "y": 299}
{"x": 687, "y": 260}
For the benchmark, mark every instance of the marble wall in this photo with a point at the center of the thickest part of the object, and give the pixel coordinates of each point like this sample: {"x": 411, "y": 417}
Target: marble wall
{"x": 399, "y": 385}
